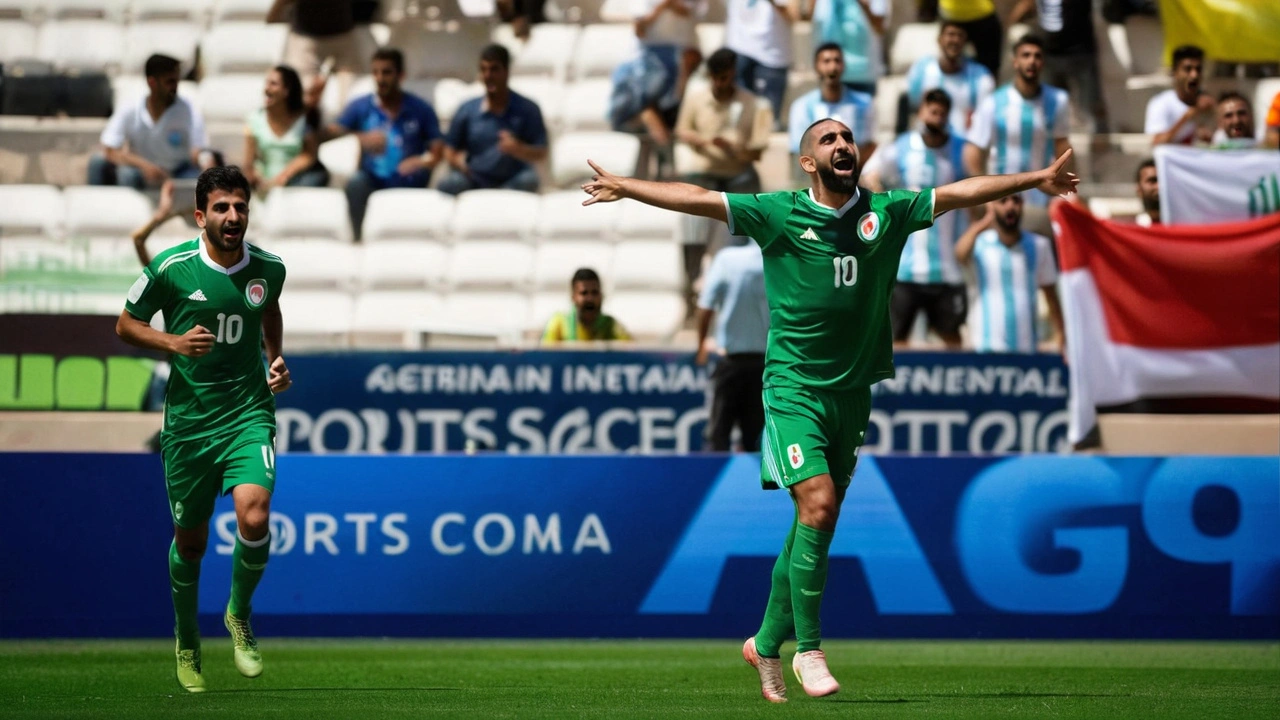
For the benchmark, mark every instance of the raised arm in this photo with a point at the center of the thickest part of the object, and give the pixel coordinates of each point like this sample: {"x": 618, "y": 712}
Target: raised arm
{"x": 1053, "y": 180}
{"x": 679, "y": 197}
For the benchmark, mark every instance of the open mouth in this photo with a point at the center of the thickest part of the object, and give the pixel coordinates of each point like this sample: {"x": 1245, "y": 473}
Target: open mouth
{"x": 843, "y": 163}
{"x": 231, "y": 233}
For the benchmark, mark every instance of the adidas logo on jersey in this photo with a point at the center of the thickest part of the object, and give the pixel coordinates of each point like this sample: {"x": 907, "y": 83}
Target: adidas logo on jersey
{"x": 197, "y": 295}
{"x": 809, "y": 234}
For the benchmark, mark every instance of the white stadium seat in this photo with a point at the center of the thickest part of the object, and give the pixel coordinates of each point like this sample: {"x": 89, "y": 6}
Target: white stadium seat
{"x": 493, "y": 264}
{"x": 453, "y": 51}
{"x": 224, "y": 10}
{"x": 332, "y": 102}
{"x": 193, "y": 10}
{"x": 546, "y": 303}
{"x": 555, "y": 263}
{"x": 98, "y": 9}
{"x": 385, "y": 311}
{"x": 619, "y": 153}
{"x": 18, "y": 8}
{"x": 407, "y": 213}
{"x": 316, "y": 319}
{"x": 638, "y": 220}
{"x": 31, "y": 209}
{"x": 450, "y": 93}
{"x": 18, "y": 40}
{"x": 911, "y": 42}
{"x": 648, "y": 265}
{"x": 481, "y": 311}
{"x": 230, "y": 98}
{"x": 341, "y": 157}
{"x": 601, "y": 48}
{"x": 617, "y": 11}
{"x": 547, "y": 93}
{"x": 104, "y": 211}
{"x": 548, "y": 51}
{"x": 561, "y": 216}
{"x": 710, "y": 37}
{"x": 651, "y": 315}
{"x": 488, "y": 214}
{"x": 307, "y": 212}
{"x": 404, "y": 264}
{"x": 242, "y": 47}
{"x": 586, "y": 105}
{"x": 176, "y": 38}
{"x": 97, "y": 44}
{"x": 326, "y": 264}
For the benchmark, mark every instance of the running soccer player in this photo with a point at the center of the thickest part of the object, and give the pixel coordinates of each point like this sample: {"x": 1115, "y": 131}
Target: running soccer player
{"x": 220, "y": 298}
{"x": 831, "y": 256}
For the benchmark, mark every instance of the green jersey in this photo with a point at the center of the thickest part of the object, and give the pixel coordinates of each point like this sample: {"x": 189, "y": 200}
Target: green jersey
{"x": 225, "y": 390}
{"x": 829, "y": 275}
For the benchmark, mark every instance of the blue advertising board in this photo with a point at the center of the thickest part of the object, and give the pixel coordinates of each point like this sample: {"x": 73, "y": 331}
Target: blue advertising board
{"x": 573, "y": 402}
{"x": 626, "y": 546}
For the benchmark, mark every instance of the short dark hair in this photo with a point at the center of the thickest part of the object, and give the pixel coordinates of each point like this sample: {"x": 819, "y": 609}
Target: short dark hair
{"x": 1233, "y": 95}
{"x": 1029, "y": 39}
{"x": 828, "y": 46}
{"x": 496, "y": 53}
{"x": 1187, "y": 52}
{"x": 722, "y": 60}
{"x": 584, "y": 275}
{"x": 292, "y": 87}
{"x": 1147, "y": 163}
{"x": 806, "y": 138}
{"x": 955, "y": 24}
{"x": 158, "y": 65}
{"x": 227, "y": 178}
{"x": 937, "y": 96}
{"x": 391, "y": 55}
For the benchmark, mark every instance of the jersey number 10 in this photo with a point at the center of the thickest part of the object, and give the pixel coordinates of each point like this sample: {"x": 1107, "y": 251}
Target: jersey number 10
{"x": 230, "y": 328}
{"x": 846, "y": 267}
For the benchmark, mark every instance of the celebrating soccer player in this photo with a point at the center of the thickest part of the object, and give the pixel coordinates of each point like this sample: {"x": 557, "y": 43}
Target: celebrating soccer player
{"x": 220, "y": 297}
{"x": 830, "y": 260}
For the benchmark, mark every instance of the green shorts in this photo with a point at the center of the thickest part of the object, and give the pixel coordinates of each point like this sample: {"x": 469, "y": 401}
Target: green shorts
{"x": 197, "y": 472}
{"x": 809, "y": 432}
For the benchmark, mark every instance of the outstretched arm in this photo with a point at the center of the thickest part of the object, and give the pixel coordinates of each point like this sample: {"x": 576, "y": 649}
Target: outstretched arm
{"x": 679, "y": 197}
{"x": 1053, "y": 180}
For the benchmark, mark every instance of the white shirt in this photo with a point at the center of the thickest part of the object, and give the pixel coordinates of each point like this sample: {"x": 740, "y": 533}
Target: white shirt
{"x": 1020, "y": 132}
{"x": 1163, "y": 111}
{"x": 968, "y": 87}
{"x": 167, "y": 142}
{"x": 756, "y": 29}
{"x": 855, "y": 109}
{"x": 1002, "y": 314}
{"x": 669, "y": 28}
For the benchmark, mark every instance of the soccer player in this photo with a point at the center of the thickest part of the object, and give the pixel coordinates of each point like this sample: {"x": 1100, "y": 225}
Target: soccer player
{"x": 830, "y": 259}
{"x": 220, "y": 298}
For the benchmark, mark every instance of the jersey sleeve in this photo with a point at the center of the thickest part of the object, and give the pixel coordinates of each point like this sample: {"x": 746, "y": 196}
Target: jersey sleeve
{"x": 113, "y": 134}
{"x": 911, "y": 211}
{"x": 750, "y": 215}
{"x": 149, "y": 294}
{"x": 915, "y": 82}
{"x": 980, "y": 127}
{"x": 1046, "y": 270}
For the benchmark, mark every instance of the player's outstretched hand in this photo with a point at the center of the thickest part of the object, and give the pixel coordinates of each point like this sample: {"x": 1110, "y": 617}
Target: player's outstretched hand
{"x": 196, "y": 342}
{"x": 603, "y": 187}
{"x": 1055, "y": 180}
{"x": 278, "y": 376}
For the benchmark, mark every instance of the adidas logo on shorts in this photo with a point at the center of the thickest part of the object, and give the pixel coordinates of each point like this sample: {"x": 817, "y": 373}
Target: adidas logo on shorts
{"x": 197, "y": 295}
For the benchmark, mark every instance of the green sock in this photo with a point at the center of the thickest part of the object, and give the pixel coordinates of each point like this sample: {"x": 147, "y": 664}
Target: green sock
{"x": 778, "y": 623}
{"x": 184, "y": 586}
{"x": 248, "y": 561}
{"x": 808, "y": 579}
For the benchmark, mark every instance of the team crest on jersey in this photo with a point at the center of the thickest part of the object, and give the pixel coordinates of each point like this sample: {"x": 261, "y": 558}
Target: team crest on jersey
{"x": 256, "y": 292}
{"x": 869, "y": 227}
{"x": 177, "y": 510}
{"x": 795, "y": 455}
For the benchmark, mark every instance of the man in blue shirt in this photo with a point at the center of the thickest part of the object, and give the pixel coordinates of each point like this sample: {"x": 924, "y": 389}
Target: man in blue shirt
{"x": 400, "y": 140}
{"x": 495, "y": 139}
{"x": 733, "y": 289}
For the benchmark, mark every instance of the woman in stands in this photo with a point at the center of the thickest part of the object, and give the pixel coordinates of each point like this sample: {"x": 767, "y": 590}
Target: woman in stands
{"x": 282, "y": 139}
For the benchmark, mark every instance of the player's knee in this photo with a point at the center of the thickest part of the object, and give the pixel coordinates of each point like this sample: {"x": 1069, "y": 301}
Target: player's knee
{"x": 253, "y": 522}
{"x": 820, "y": 517}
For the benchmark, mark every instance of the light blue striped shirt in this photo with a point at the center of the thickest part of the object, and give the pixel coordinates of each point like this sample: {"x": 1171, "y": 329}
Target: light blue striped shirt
{"x": 855, "y": 109}
{"x": 967, "y": 88}
{"x": 1002, "y": 314}
{"x": 734, "y": 288}
{"x": 1020, "y": 132}
{"x": 929, "y": 255}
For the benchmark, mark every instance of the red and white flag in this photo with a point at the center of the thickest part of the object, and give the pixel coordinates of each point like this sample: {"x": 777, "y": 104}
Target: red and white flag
{"x": 1167, "y": 311}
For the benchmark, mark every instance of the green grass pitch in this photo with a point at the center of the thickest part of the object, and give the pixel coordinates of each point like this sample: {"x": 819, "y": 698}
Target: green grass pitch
{"x": 490, "y": 679}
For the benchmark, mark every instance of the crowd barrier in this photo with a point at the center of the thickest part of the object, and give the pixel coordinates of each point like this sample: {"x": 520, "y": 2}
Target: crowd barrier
{"x": 626, "y": 546}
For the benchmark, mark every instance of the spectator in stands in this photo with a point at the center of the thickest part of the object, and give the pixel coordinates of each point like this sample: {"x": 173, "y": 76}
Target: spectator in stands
{"x": 1183, "y": 113}
{"x": 281, "y": 139}
{"x": 998, "y": 145}
{"x": 1272, "y": 138}
{"x": 759, "y": 31}
{"x": 979, "y": 20}
{"x": 322, "y": 29}
{"x": 833, "y": 99}
{"x": 585, "y": 321}
{"x": 522, "y": 14}
{"x": 1008, "y": 264}
{"x": 965, "y": 81}
{"x": 1070, "y": 53}
{"x": 856, "y": 26}
{"x": 649, "y": 87}
{"x": 1235, "y": 121}
{"x": 399, "y": 135}
{"x": 929, "y": 280}
{"x": 495, "y": 139}
{"x": 733, "y": 294}
{"x": 1149, "y": 193}
{"x": 726, "y": 128}
{"x": 154, "y": 138}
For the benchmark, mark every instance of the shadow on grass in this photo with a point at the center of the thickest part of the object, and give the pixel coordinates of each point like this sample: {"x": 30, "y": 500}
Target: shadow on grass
{"x": 1020, "y": 695}
{"x": 268, "y": 691}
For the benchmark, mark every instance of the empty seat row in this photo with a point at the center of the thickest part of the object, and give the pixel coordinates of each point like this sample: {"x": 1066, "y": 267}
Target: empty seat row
{"x": 120, "y": 10}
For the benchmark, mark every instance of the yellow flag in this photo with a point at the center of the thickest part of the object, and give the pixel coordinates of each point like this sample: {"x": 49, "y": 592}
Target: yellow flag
{"x": 1228, "y": 30}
